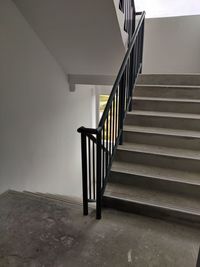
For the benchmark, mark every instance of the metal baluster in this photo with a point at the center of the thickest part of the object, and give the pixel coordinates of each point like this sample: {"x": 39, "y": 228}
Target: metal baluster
{"x": 84, "y": 173}
{"x": 116, "y": 120}
{"x": 107, "y": 147}
{"x": 89, "y": 169}
{"x": 99, "y": 190}
{"x": 103, "y": 167}
{"x": 110, "y": 134}
{"x": 93, "y": 169}
{"x": 135, "y": 69}
{"x": 113, "y": 124}
{"x": 121, "y": 108}
{"x": 142, "y": 44}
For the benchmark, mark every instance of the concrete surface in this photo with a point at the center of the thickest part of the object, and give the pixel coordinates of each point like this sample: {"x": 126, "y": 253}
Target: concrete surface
{"x": 39, "y": 232}
{"x": 149, "y": 164}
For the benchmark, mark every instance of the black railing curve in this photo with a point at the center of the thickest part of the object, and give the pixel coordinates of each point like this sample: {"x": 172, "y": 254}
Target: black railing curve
{"x": 98, "y": 145}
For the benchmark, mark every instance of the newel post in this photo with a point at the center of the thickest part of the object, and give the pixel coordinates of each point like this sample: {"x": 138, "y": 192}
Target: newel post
{"x": 84, "y": 173}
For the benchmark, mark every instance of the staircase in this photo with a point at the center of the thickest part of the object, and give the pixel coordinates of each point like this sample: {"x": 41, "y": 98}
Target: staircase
{"x": 156, "y": 172}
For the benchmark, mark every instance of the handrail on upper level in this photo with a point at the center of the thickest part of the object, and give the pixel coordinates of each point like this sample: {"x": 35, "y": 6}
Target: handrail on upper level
{"x": 118, "y": 78}
{"x": 122, "y": 68}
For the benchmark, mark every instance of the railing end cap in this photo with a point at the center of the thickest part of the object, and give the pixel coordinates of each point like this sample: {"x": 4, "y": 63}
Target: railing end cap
{"x": 80, "y": 129}
{"x": 89, "y": 130}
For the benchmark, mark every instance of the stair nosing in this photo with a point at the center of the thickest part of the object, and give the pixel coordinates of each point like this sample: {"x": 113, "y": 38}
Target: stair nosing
{"x": 151, "y": 176}
{"x": 169, "y": 74}
{"x": 161, "y": 99}
{"x": 169, "y": 86}
{"x": 180, "y": 133}
{"x": 165, "y": 207}
{"x": 159, "y": 114}
{"x": 137, "y": 150}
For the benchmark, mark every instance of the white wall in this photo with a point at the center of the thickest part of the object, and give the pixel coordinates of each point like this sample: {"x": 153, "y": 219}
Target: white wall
{"x": 169, "y": 8}
{"x": 39, "y": 145}
{"x": 172, "y": 45}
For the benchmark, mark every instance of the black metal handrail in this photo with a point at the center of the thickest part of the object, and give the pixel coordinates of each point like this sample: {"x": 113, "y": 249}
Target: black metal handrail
{"x": 99, "y": 145}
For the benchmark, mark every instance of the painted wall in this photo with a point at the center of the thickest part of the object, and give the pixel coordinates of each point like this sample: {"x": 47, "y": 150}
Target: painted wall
{"x": 39, "y": 145}
{"x": 172, "y": 45}
{"x": 169, "y": 8}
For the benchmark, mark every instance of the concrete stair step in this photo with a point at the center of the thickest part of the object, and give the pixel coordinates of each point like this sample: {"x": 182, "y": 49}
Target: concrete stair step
{"x": 164, "y": 120}
{"x": 169, "y": 79}
{"x": 153, "y": 177}
{"x": 176, "y": 105}
{"x": 162, "y": 136}
{"x": 156, "y": 172}
{"x": 160, "y": 156}
{"x": 167, "y": 91}
{"x": 154, "y": 203}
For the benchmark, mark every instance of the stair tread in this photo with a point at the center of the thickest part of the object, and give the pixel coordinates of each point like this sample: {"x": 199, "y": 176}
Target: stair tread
{"x": 165, "y": 114}
{"x": 161, "y": 99}
{"x": 161, "y": 150}
{"x": 164, "y": 131}
{"x": 156, "y": 172}
{"x": 169, "y": 86}
{"x": 153, "y": 197}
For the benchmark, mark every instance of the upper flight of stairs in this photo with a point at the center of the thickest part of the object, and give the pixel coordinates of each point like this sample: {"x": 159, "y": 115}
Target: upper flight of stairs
{"x": 156, "y": 171}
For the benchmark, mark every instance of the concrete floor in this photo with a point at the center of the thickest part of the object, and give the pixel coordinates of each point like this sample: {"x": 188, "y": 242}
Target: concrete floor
{"x": 38, "y": 232}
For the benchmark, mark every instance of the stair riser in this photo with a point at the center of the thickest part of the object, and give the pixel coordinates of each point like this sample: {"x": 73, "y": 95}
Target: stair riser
{"x": 162, "y": 161}
{"x": 162, "y": 140}
{"x": 177, "y": 107}
{"x": 163, "y": 122}
{"x": 151, "y": 211}
{"x": 183, "y": 93}
{"x": 155, "y": 183}
{"x": 169, "y": 79}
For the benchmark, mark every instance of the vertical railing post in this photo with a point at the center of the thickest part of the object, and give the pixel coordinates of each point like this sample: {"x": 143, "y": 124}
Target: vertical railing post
{"x": 133, "y": 19}
{"x": 198, "y": 259}
{"x": 84, "y": 173}
{"x": 98, "y": 185}
{"x": 142, "y": 45}
{"x": 121, "y": 106}
{"x": 131, "y": 81}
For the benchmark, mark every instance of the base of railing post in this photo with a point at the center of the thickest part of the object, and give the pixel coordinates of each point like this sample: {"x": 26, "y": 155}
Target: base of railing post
{"x": 99, "y": 181}
{"x": 85, "y": 209}
{"x": 84, "y": 174}
{"x": 98, "y": 215}
{"x": 130, "y": 105}
{"x": 121, "y": 139}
